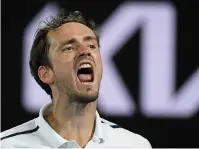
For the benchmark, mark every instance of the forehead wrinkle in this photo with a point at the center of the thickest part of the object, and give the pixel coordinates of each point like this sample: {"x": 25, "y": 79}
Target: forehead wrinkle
{"x": 74, "y": 28}
{"x": 68, "y": 31}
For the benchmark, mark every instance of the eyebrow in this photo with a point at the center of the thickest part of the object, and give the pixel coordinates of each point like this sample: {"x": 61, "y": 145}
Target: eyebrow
{"x": 73, "y": 40}
{"x": 86, "y": 38}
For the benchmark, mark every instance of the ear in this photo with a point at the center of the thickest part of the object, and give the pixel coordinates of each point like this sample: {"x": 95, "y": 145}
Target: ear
{"x": 46, "y": 75}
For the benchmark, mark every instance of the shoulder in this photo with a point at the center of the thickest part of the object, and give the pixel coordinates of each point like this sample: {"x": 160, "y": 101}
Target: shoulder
{"x": 16, "y": 134}
{"x": 123, "y": 136}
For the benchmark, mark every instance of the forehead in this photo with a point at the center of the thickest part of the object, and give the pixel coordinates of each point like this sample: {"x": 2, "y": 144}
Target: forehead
{"x": 70, "y": 30}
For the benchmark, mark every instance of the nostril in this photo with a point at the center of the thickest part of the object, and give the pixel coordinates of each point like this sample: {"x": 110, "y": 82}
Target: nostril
{"x": 85, "y": 54}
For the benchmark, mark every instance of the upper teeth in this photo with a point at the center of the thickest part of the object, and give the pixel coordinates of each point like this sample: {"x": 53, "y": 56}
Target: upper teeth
{"x": 84, "y": 66}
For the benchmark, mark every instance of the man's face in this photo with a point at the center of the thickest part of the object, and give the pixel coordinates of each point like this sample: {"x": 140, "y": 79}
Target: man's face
{"x": 76, "y": 61}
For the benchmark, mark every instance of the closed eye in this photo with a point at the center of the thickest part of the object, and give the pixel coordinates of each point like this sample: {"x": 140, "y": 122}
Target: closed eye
{"x": 92, "y": 46}
{"x": 68, "y": 49}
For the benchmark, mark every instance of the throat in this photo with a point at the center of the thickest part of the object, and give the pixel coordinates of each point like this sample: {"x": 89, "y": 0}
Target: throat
{"x": 72, "y": 121}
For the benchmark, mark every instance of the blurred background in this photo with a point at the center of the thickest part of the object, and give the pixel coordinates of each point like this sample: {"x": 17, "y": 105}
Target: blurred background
{"x": 151, "y": 65}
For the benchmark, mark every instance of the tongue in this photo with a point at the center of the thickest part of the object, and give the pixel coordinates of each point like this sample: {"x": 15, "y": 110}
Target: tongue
{"x": 85, "y": 77}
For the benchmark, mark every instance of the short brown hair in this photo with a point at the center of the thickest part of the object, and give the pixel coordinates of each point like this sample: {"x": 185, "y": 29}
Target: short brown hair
{"x": 41, "y": 44}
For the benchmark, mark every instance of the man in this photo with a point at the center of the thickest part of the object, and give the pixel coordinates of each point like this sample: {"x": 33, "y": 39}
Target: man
{"x": 65, "y": 61}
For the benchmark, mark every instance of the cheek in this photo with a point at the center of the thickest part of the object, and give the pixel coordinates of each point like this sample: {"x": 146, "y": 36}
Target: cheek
{"x": 99, "y": 62}
{"x": 63, "y": 65}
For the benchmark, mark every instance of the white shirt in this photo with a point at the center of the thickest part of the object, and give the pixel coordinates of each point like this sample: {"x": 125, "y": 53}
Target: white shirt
{"x": 37, "y": 133}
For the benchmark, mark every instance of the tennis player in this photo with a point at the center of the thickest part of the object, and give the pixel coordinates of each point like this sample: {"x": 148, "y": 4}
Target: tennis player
{"x": 65, "y": 61}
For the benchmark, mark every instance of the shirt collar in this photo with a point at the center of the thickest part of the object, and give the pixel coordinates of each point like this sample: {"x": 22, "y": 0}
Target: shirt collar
{"x": 54, "y": 138}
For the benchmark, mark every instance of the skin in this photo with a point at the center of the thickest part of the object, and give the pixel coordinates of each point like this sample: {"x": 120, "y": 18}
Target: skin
{"x": 74, "y": 103}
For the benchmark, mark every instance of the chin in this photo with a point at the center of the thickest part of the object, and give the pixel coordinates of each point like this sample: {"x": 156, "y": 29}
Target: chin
{"x": 88, "y": 97}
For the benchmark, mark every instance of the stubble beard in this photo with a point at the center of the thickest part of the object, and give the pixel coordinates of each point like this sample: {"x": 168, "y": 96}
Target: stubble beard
{"x": 81, "y": 97}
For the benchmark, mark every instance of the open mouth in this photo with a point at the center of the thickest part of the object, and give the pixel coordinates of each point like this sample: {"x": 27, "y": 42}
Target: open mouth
{"x": 85, "y": 73}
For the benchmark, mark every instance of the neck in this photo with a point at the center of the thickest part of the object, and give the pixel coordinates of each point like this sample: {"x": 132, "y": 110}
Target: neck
{"x": 73, "y": 120}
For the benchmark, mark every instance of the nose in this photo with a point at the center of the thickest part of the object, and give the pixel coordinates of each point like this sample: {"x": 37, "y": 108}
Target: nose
{"x": 84, "y": 51}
